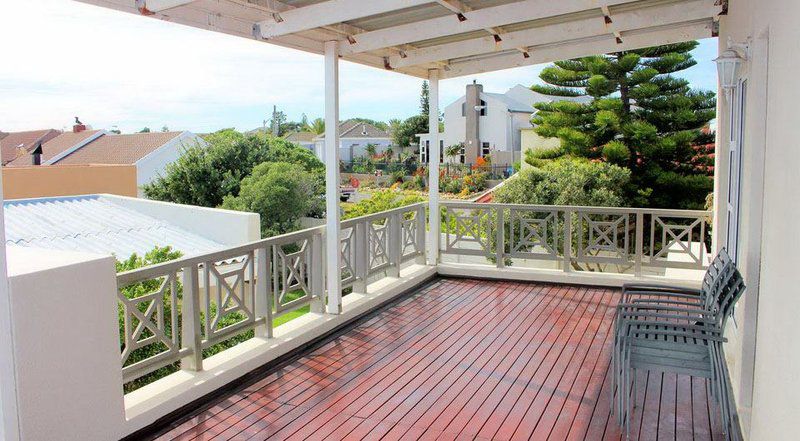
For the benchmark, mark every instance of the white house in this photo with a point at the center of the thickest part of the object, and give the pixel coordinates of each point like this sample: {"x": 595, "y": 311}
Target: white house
{"x": 488, "y": 123}
{"x": 354, "y": 137}
{"x": 303, "y": 139}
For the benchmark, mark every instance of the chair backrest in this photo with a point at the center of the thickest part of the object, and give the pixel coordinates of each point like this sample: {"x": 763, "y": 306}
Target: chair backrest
{"x": 712, "y": 279}
{"x": 725, "y": 289}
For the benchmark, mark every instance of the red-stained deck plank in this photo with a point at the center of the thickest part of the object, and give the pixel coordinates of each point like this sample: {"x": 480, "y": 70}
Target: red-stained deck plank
{"x": 462, "y": 359}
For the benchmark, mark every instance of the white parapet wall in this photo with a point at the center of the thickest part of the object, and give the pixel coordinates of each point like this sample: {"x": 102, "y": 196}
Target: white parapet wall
{"x": 66, "y": 345}
{"x": 227, "y": 227}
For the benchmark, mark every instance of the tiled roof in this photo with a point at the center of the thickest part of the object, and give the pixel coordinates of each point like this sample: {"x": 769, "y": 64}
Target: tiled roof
{"x": 94, "y": 224}
{"x": 300, "y": 137}
{"x": 119, "y": 149}
{"x": 355, "y": 129}
{"x": 19, "y": 143}
{"x": 55, "y": 146}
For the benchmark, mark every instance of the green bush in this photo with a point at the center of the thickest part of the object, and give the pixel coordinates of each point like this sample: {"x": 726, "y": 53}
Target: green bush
{"x": 281, "y": 193}
{"x": 205, "y": 175}
{"x": 380, "y": 200}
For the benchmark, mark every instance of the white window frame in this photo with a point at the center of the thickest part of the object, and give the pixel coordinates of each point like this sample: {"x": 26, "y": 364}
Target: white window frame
{"x": 735, "y": 148}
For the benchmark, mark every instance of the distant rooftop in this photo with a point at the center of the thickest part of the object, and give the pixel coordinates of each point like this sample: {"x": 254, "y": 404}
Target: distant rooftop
{"x": 94, "y": 224}
{"x": 14, "y": 144}
{"x": 119, "y": 149}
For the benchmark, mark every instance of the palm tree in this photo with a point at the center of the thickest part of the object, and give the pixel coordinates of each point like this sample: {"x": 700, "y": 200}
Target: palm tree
{"x": 389, "y": 152}
{"x": 316, "y": 126}
{"x": 453, "y": 150}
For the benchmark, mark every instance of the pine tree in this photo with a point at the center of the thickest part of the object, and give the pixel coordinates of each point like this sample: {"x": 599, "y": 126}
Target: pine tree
{"x": 424, "y": 99}
{"x": 640, "y": 116}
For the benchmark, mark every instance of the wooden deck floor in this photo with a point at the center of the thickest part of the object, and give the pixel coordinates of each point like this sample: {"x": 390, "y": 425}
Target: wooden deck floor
{"x": 462, "y": 359}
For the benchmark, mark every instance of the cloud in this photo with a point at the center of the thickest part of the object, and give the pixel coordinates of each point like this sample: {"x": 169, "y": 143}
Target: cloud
{"x": 117, "y": 69}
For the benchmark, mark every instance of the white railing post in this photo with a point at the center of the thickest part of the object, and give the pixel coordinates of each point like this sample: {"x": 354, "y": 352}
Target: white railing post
{"x": 263, "y": 300}
{"x": 361, "y": 247}
{"x": 637, "y": 269}
{"x": 421, "y": 231}
{"x": 394, "y": 244}
{"x": 317, "y": 275}
{"x": 567, "y": 241}
{"x": 191, "y": 336}
{"x": 500, "y": 238}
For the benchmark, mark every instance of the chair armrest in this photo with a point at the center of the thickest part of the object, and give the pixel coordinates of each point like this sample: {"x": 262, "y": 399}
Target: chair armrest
{"x": 656, "y": 287}
{"x": 687, "y": 331}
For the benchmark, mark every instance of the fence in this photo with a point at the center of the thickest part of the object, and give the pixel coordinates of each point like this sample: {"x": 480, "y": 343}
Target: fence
{"x": 578, "y": 238}
{"x": 171, "y": 312}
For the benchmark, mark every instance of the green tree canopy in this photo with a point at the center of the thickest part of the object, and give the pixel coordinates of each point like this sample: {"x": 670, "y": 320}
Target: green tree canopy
{"x": 405, "y": 134}
{"x": 567, "y": 181}
{"x": 281, "y": 193}
{"x": 205, "y": 175}
{"x": 640, "y": 117}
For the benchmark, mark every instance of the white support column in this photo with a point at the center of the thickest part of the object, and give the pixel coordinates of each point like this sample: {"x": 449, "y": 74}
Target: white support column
{"x": 333, "y": 255}
{"x": 9, "y": 418}
{"x": 433, "y": 167}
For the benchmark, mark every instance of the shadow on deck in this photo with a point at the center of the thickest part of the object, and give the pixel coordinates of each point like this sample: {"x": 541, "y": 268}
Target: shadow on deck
{"x": 461, "y": 359}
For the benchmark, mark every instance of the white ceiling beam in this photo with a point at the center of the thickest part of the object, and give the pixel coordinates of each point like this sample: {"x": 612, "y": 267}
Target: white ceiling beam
{"x": 665, "y": 14}
{"x": 329, "y": 13}
{"x": 150, "y": 7}
{"x": 584, "y": 47}
{"x": 477, "y": 19}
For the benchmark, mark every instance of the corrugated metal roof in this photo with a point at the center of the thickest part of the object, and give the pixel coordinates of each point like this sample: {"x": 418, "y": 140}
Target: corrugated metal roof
{"x": 94, "y": 224}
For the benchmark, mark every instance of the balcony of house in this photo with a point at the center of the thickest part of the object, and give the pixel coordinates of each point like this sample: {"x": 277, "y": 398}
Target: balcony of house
{"x": 507, "y": 335}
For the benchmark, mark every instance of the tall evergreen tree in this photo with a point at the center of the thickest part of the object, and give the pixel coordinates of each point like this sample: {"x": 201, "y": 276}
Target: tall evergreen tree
{"x": 424, "y": 99}
{"x": 640, "y": 116}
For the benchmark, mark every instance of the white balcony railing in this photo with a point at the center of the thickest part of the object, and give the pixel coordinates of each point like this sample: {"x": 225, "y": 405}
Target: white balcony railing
{"x": 598, "y": 239}
{"x": 170, "y": 313}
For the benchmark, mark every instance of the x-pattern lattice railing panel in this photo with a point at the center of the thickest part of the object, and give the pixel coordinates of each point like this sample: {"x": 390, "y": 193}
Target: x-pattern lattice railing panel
{"x": 292, "y": 275}
{"x": 676, "y": 234}
{"x": 603, "y": 237}
{"x": 607, "y": 239}
{"x": 469, "y": 228}
{"x": 172, "y": 312}
{"x": 149, "y": 312}
{"x": 229, "y": 297}
{"x": 533, "y": 233}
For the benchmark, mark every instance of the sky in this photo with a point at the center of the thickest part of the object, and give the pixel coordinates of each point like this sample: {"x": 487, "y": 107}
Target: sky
{"x": 63, "y": 59}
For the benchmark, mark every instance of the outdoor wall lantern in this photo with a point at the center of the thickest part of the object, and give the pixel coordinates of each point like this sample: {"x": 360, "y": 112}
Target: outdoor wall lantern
{"x": 729, "y": 63}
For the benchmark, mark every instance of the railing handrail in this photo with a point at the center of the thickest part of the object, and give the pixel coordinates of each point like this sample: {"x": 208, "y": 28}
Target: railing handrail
{"x": 133, "y": 276}
{"x": 576, "y": 208}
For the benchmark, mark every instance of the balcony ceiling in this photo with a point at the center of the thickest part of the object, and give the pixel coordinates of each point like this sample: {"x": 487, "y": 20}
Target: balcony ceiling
{"x": 459, "y": 37}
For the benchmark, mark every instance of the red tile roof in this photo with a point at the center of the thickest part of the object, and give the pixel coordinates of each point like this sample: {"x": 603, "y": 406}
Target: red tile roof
{"x": 16, "y": 144}
{"x": 119, "y": 149}
{"x": 55, "y": 146}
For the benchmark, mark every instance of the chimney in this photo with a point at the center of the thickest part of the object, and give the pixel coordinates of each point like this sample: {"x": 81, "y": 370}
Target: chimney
{"x": 36, "y": 155}
{"x": 472, "y": 140}
{"x": 78, "y": 127}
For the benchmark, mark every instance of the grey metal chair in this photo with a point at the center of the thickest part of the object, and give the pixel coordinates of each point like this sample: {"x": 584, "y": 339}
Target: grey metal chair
{"x": 658, "y": 331}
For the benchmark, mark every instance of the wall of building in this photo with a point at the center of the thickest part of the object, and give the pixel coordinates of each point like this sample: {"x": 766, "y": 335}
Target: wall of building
{"x": 223, "y": 226}
{"x": 763, "y": 351}
{"x": 68, "y": 371}
{"x": 67, "y": 180}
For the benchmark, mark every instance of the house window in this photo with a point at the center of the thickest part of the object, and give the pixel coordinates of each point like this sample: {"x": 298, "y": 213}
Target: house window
{"x": 485, "y": 149}
{"x": 463, "y": 153}
{"x": 441, "y": 151}
{"x": 737, "y": 124}
{"x": 424, "y": 151}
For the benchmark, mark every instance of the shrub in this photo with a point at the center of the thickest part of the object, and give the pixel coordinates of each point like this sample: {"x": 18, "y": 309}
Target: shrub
{"x": 281, "y": 193}
{"x": 380, "y": 200}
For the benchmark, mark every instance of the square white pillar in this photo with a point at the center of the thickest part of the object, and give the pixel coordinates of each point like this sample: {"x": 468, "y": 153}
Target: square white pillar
{"x": 332, "y": 245}
{"x": 433, "y": 167}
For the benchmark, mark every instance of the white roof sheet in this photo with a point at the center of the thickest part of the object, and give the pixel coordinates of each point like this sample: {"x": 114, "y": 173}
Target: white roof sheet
{"x": 94, "y": 224}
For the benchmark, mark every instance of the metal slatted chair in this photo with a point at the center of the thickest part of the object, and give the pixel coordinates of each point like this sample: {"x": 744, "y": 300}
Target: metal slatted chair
{"x": 654, "y": 331}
